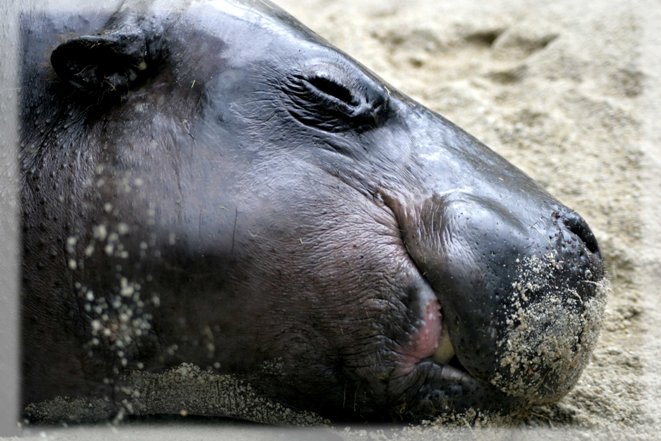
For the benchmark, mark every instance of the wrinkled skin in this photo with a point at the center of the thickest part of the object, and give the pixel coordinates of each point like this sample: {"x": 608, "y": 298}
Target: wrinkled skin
{"x": 214, "y": 184}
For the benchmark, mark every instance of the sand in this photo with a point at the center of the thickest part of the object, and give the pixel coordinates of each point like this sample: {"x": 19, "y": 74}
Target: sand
{"x": 568, "y": 91}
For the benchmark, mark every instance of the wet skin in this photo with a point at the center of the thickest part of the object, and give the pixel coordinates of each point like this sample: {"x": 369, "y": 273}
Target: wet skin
{"x": 217, "y": 185}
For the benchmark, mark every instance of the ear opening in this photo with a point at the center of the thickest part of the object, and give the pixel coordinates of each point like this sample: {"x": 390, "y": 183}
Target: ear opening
{"x": 106, "y": 64}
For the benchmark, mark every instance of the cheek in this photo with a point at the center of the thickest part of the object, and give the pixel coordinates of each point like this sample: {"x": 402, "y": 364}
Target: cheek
{"x": 336, "y": 266}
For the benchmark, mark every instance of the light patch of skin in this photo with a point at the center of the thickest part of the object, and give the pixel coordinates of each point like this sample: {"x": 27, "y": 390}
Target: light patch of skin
{"x": 445, "y": 350}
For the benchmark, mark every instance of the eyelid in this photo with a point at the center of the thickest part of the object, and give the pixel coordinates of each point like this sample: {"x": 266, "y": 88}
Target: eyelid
{"x": 334, "y": 97}
{"x": 332, "y": 88}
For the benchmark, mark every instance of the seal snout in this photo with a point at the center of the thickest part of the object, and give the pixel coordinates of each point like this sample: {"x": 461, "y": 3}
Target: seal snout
{"x": 518, "y": 287}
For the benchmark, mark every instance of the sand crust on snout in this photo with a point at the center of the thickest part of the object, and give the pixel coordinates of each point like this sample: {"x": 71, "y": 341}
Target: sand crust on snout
{"x": 567, "y": 91}
{"x": 546, "y": 322}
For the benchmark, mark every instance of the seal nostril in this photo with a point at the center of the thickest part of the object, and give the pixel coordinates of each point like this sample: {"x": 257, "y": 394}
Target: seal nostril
{"x": 576, "y": 225}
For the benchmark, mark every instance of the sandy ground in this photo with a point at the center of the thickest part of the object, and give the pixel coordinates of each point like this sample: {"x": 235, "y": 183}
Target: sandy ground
{"x": 569, "y": 92}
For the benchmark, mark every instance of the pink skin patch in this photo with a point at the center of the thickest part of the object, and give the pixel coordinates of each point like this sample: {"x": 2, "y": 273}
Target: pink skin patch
{"x": 425, "y": 340}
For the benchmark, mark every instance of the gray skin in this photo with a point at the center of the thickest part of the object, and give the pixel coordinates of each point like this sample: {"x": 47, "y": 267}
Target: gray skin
{"x": 213, "y": 183}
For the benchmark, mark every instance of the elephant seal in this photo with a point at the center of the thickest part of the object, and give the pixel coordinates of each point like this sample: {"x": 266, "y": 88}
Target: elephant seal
{"x": 211, "y": 183}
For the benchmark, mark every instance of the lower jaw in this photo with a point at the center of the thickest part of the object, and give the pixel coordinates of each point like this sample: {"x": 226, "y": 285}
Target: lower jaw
{"x": 448, "y": 391}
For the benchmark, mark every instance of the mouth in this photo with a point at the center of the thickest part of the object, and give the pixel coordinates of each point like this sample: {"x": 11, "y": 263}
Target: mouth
{"x": 436, "y": 383}
{"x": 431, "y": 370}
{"x": 440, "y": 351}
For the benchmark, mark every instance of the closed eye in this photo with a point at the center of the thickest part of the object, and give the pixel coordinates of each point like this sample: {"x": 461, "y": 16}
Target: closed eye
{"x": 331, "y": 99}
{"x": 333, "y": 89}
